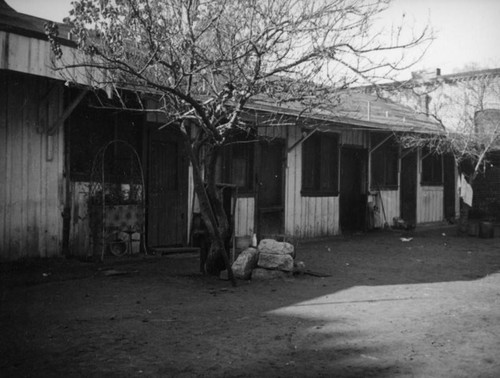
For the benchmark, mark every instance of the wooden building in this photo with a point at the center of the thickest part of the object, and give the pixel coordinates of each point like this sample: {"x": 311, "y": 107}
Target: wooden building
{"x": 50, "y": 134}
{"x": 334, "y": 171}
{"x": 468, "y": 103}
{"x": 341, "y": 170}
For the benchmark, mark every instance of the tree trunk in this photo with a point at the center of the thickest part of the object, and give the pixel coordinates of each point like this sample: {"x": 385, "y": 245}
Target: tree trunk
{"x": 214, "y": 263}
{"x": 210, "y": 209}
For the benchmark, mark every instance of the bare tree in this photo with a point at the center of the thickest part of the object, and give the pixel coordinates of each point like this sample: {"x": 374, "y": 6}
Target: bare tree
{"x": 205, "y": 59}
{"x": 465, "y": 106}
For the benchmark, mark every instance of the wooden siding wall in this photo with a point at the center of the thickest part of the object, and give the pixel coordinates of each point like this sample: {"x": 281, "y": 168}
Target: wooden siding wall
{"x": 430, "y": 199}
{"x": 245, "y": 216}
{"x": 354, "y": 138}
{"x": 306, "y": 217}
{"x": 388, "y": 206}
{"x": 34, "y": 56}
{"x": 430, "y": 204}
{"x": 245, "y": 206}
{"x": 27, "y": 55}
{"x": 31, "y": 167}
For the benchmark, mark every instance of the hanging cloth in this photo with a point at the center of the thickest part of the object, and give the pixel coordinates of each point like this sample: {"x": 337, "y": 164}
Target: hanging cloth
{"x": 464, "y": 190}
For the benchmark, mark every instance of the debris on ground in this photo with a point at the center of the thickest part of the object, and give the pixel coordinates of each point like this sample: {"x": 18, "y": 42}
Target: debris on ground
{"x": 406, "y": 239}
{"x": 114, "y": 272}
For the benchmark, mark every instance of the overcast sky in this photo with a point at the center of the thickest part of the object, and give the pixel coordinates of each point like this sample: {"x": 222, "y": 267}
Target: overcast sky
{"x": 467, "y": 31}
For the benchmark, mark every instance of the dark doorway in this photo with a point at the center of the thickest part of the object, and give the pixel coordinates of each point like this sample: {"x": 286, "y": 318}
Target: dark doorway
{"x": 167, "y": 190}
{"x": 409, "y": 187}
{"x": 270, "y": 193}
{"x": 449, "y": 187}
{"x": 353, "y": 189}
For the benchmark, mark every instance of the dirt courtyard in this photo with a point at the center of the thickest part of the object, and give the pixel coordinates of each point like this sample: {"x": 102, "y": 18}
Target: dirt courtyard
{"x": 429, "y": 307}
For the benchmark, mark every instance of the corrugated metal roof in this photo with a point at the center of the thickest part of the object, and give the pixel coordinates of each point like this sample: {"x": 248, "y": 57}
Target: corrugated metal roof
{"x": 359, "y": 110}
{"x": 353, "y": 109}
{"x": 471, "y": 75}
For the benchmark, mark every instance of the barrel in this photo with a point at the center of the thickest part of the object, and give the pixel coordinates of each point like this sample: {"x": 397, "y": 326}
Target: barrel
{"x": 486, "y": 229}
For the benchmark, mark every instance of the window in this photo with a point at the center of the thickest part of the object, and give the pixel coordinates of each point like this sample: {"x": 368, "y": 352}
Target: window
{"x": 384, "y": 163}
{"x": 90, "y": 129}
{"x": 320, "y": 165}
{"x": 432, "y": 168}
{"x": 238, "y": 158}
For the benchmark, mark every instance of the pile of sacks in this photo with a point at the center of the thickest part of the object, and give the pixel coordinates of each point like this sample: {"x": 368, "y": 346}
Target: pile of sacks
{"x": 271, "y": 259}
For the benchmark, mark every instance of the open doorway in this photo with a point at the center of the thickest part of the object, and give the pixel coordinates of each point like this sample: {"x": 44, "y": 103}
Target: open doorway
{"x": 270, "y": 190}
{"x": 353, "y": 199}
{"x": 167, "y": 178}
{"x": 408, "y": 199}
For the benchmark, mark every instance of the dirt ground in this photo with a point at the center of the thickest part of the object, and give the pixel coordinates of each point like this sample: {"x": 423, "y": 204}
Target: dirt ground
{"x": 429, "y": 307}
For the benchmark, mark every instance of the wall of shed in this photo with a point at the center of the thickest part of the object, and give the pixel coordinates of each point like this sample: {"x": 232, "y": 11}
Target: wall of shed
{"x": 388, "y": 207}
{"x": 245, "y": 216}
{"x": 308, "y": 217}
{"x": 430, "y": 204}
{"x": 31, "y": 167}
{"x": 33, "y": 56}
{"x": 430, "y": 199}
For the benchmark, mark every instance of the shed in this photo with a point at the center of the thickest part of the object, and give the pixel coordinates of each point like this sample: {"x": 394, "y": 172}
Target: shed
{"x": 315, "y": 171}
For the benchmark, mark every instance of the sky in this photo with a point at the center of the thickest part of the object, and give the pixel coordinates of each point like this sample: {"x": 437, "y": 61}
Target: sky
{"x": 466, "y": 31}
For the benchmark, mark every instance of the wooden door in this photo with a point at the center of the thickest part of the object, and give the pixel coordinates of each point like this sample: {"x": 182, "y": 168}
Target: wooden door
{"x": 167, "y": 191}
{"x": 353, "y": 189}
{"x": 270, "y": 190}
{"x": 408, "y": 199}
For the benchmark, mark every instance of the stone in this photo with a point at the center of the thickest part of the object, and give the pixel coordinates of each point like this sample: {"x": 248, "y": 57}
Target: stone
{"x": 266, "y": 274}
{"x": 273, "y": 261}
{"x": 276, "y": 247}
{"x": 245, "y": 263}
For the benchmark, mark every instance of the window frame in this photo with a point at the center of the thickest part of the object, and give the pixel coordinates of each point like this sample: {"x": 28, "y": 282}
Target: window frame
{"x": 424, "y": 181}
{"x": 227, "y": 171}
{"x": 389, "y": 154}
{"x": 320, "y": 180}
{"x": 89, "y": 129}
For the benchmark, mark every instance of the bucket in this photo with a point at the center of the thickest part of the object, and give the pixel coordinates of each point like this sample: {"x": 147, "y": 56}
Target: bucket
{"x": 243, "y": 242}
{"x": 473, "y": 229}
{"x": 486, "y": 229}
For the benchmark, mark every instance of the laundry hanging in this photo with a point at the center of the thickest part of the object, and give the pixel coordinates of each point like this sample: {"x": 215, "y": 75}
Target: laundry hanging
{"x": 464, "y": 190}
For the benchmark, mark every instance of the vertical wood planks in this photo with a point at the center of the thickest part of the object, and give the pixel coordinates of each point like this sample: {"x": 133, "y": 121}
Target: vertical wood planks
{"x": 14, "y": 173}
{"x": 33, "y": 56}
{"x": 306, "y": 217}
{"x": 430, "y": 204}
{"x": 4, "y": 167}
{"x": 387, "y": 202}
{"x": 245, "y": 214}
{"x": 354, "y": 138}
{"x": 31, "y": 192}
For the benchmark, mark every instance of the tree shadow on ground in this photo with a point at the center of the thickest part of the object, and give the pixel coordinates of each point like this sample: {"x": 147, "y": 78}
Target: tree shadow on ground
{"x": 163, "y": 319}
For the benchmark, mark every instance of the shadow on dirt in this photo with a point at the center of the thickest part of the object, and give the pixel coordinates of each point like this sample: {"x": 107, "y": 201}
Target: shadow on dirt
{"x": 388, "y": 308}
